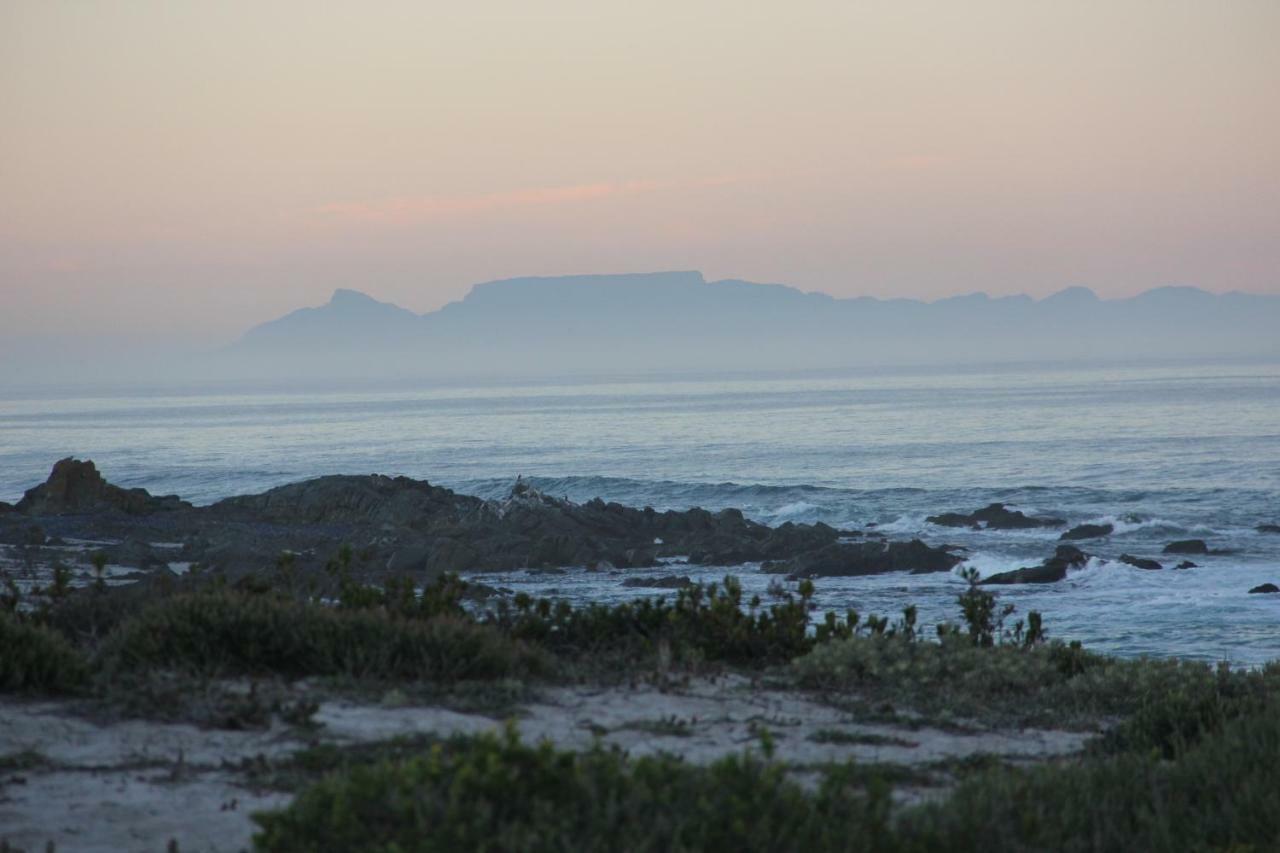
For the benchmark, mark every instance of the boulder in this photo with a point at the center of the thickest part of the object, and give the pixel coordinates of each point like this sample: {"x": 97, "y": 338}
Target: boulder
{"x": 1268, "y": 528}
{"x": 76, "y": 488}
{"x": 1051, "y": 570}
{"x": 1264, "y": 589}
{"x": 1140, "y": 562}
{"x": 1187, "y": 564}
{"x": 1088, "y": 531}
{"x": 994, "y": 517}
{"x": 1187, "y": 546}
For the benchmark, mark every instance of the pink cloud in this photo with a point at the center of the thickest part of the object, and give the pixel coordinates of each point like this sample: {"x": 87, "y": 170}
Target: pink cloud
{"x": 402, "y": 210}
{"x": 413, "y": 209}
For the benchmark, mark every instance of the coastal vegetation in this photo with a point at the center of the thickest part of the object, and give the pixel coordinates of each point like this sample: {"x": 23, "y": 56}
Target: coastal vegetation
{"x": 1184, "y": 759}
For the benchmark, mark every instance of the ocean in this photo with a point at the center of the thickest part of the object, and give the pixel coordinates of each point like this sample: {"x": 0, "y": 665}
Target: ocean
{"x": 1162, "y": 452}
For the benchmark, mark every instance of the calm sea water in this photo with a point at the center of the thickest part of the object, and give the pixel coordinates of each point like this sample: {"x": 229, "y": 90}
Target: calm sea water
{"x": 1162, "y": 452}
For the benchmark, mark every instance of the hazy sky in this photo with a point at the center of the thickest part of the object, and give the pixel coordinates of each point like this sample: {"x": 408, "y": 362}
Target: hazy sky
{"x": 198, "y": 167}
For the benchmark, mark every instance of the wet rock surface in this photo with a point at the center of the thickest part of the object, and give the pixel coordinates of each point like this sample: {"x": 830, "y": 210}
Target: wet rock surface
{"x": 1187, "y": 546}
{"x": 1053, "y": 569}
{"x": 995, "y": 517}
{"x": 844, "y": 559}
{"x": 1088, "y": 531}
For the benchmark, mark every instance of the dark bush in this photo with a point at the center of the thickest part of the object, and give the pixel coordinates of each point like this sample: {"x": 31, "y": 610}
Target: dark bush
{"x": 702, "y": 623}
{"x": 35, "y": 659}
{"x": 228, "y": 633}
{"x": 491, "y": 793}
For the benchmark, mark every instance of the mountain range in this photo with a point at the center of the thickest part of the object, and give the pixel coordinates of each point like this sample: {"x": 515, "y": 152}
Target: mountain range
{"x": 678, "y": 321}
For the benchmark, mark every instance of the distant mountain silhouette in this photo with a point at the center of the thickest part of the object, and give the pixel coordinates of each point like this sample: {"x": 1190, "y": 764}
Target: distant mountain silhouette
{"x": 679, "y": 321}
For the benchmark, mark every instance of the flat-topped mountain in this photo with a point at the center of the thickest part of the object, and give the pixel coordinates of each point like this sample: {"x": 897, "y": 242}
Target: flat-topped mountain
{"x": 679, "y": 321}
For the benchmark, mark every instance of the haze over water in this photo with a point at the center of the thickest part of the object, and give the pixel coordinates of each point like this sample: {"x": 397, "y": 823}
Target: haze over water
{"x": 1163, "y": 452}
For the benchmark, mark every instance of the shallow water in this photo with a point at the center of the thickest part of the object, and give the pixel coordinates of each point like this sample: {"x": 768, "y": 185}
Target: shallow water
{"x": 1164, "y": 453}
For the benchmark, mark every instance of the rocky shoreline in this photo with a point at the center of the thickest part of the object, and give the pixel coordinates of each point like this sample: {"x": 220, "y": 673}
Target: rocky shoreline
{"x": 394, "y": 527}
{"x": 399, "y": 526}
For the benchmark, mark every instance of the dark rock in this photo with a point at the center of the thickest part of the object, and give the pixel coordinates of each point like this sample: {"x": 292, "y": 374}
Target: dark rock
{"x": 1140, "y": 562}
{"x": 843, "y": 559}
{"x": 6, "y": 507}
{"x": 1051, "y": 570}
{"x": 374, "y": 500}
{"x": 664, "y": 582}
{"x": 1268, "y": 528}
{"x": 135, "y": 553}
{"x": 412, "y": 559}
{"x": 1264, "y": 589}
{"x": 1187, "y": 546}
{"x": 994, "y": 517}
{"x": 1187, "y": 564}
{"x": 76, "y": 487}
{"x": 1088, "y": 531}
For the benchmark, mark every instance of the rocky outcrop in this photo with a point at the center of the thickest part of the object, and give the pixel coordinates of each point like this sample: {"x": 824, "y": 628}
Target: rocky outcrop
{"x": 76, "y": 488}
{"x": 994, "y": 517}
{"x": 1050, "y": 571}
{"x": 1187, "y": 546}
{"x": 843, "y": 559}
{"x": 372, "y": 500}
{"x": 1263, "y": 589}
{"x": 1141, "y": 562}
{"x": 1087, "y": 531}
{"x": 398, "y": 525}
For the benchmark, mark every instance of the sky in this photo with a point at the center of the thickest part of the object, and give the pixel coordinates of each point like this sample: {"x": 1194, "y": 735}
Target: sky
{"x": 185, "y": 170}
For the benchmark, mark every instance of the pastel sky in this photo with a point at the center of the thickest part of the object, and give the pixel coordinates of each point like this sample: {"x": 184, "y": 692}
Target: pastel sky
{"x": 188, "y": 169}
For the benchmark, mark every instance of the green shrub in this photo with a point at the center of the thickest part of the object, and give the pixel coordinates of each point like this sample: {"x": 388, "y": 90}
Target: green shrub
{"x": 491, "y": 793}
{"x": 1221, "y": 794}
{"x": 36, "y": 659}
{"x": 702, "y": 623}
{"x": 231, "y": 633}
{"x": 1167, "y": 703}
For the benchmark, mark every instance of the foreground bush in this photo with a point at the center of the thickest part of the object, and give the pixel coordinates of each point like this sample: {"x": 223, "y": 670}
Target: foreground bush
{"x": 1221, "y": 794}
{"x": 229, "y": 633}
{"x": 36, "y": 659}
{"x": 491, "y": 793}
{"x": 494, "y": 794}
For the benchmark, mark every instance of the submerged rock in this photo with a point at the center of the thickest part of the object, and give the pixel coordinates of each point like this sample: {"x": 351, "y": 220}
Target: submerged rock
{"x": 994, "y": 517}
{"x": 1187, "y": 564}
{"x": 1268, "y": 528}
{"x": 664, "y": 582}
{"x": 1187, "y": 546}
{"x": 76, "y": 488}
{"x": 1264, "y": 589}
{"x": 1088, "y": 531}
{"x": 1141, "y": 562}
{"x": 1051, "y": 570}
